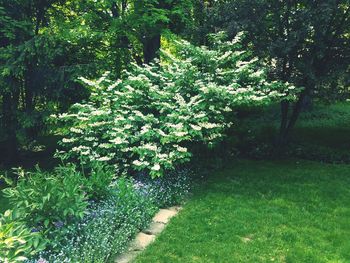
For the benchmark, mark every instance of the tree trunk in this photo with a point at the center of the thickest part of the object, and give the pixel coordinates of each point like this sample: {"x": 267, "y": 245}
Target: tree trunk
{"x": 287, "y": 124}
{"x": 9, "y": 105}
{"x": 151, "y": 46}
{"x": 284, "y": 123}
{"x": 29, "y": 95}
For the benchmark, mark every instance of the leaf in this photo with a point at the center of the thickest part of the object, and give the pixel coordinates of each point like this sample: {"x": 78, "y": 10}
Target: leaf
{"x": 21, "y": 258}
{"x": 46, "y": 222}
{"x": 36, "y": 242}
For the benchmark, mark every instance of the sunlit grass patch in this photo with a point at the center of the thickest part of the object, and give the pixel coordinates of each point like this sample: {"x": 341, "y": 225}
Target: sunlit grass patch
{"x": 291, "y": 211}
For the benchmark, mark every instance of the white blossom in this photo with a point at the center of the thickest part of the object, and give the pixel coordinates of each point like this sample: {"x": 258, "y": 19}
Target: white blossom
{"x": 156, "y": 167}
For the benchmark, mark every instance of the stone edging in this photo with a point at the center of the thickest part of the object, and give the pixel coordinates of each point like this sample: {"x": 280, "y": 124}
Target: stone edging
{"x": 147, "y": 236}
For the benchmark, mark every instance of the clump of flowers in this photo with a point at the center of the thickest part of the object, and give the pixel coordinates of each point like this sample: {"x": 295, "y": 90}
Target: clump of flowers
{"x": 171, "y": 189}
{"x": 147, "y": 120}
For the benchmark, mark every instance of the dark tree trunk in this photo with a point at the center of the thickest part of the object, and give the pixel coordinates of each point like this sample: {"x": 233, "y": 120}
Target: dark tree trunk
{"x": 29, "y": 94}
{"x": 288, "y": 122}
{"x": 9, "y": 110}
{"x": 200, "y": 17}
{"x": 296, "y": 112}
{"x": 151, "y": 46}
{"x": 284, "y": 122}
{"x": 124, "y": 6}
{"x": 29, "y": 97}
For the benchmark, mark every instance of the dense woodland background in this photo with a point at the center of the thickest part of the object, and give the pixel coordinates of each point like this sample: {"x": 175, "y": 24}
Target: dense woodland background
{"x": 45, "y": 45}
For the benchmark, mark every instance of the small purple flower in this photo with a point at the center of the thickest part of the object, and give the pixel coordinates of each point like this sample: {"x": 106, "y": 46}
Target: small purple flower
{"x": 58, "y": 224}
{"x": 42, "y": 260}
{"x": 93, "y": 214}
{"x": 35, "y": 230}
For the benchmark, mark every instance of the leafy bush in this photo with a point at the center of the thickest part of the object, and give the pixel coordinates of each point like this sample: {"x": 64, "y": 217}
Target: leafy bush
{"x": 17, "y": 242}
{"x": 107, "y": 228}
{"x": 97, "y": 184}
{"x": 147, "y": 120}
{"x": 46, "y": 200}
{"x": 109, "y": 225}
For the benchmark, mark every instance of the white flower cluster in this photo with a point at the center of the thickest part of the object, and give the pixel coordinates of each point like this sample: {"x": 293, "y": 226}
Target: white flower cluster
{"x": 147, "y": 120}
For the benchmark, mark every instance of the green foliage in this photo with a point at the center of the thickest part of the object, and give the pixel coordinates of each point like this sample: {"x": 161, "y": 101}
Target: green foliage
{"x": 17, "y": 242}
{"x": 35, "y": 75}
{"x": 42, "y": 198}
{"x": 97, "y": 184}
{"x": 107, "y": 229}
{"x": 305, "y": 43}
{"x": 46, "y": 45}
{"x": 148, "y": 120}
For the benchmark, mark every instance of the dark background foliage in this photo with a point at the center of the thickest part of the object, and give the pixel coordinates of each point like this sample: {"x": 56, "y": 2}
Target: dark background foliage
{"x": 45, "y": 45}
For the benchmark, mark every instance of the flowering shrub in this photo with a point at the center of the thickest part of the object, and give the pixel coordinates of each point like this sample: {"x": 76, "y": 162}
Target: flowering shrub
{"x": 147, "y": 120}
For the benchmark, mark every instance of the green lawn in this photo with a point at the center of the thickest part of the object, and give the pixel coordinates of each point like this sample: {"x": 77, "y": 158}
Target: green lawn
{"x": 262, "y": 211}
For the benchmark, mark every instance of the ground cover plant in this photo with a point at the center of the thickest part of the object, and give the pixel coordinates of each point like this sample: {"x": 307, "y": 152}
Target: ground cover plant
{"x": 43, "y": 227}
{"x": 110, "y": 223}
{"x": 262, "y": 211}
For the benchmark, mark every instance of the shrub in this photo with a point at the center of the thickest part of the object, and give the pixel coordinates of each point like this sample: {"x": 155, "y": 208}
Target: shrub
{"x": 109, "y": 225}
{"x": 106, "y": 229}
{"x": 17, "y": 242}
{"x": 147, "y": 120}
{"x": 48, "y": 200}
{"x": 98, "y": 182}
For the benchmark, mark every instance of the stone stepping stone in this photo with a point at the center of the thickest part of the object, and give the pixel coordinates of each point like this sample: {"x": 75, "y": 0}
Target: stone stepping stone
{"x": 141, "y": 241}
{"x": 175, "y": 208}
{"x": 164, "y": 215}
{"x": 154, "y": 228}
{"x": 127, "y": 257}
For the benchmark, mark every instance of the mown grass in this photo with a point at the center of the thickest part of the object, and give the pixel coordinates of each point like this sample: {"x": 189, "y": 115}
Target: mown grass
{"x": 262, "y": 211}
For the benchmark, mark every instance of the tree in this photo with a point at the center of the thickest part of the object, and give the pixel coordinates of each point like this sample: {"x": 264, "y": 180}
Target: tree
{"x": 31, "y": 69}
{"x": 306, "y": 42}
{"x": 152, "y": 17}
{"x": 47, "y": 44}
